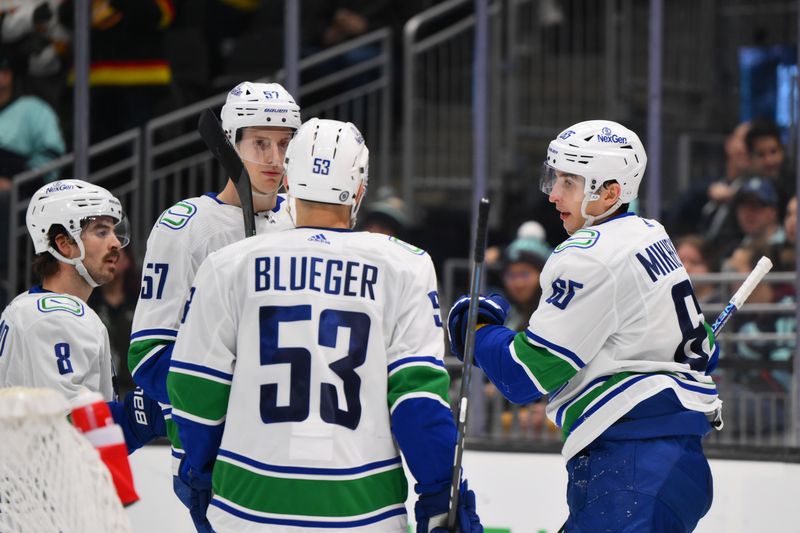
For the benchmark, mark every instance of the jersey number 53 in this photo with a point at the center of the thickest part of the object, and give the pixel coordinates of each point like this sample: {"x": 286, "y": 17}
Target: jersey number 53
{"x": 299, "y": 360}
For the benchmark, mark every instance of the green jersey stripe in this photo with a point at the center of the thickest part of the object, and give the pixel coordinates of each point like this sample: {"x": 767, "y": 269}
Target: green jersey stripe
{"x": 418, "y": 378}
{"x": 172, "y": 433}
{"x": 139, "y": 350}
{"x": 309, "y": 497}
{"x": 550, "y": 370}
{"x": 203, "y": 398}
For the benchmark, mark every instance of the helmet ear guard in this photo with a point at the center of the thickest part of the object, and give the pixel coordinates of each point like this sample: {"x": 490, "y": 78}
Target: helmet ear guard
{"x": 601, "y": 151}
{"x": 68, "y": 203}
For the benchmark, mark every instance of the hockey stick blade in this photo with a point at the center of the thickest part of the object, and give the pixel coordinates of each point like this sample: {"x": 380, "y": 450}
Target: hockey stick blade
{"x": 469, "y": 353}
{"x": 211, "y": 132}
{"x": 763, "y": 266}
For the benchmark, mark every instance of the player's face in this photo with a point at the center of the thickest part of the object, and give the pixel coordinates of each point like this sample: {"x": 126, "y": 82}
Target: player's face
{"x": 263, "y": 150}
{"x": 102, "y": 249}
{"x": 567, "y": 195}
{"x": 767, "y": 157}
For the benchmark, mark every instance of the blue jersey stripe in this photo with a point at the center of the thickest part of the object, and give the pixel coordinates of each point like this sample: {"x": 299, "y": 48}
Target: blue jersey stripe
{"x": 589, "y": 412}
{"x": 177, "y": 453}
{"x": 556, "y": 348}
{"x": 418, "y": 359}
{"x": 149, "y": 332}
{"x": 312, "y": 471}
{"x": 308, "y": 523}
{"x": 201, "y": 369}
{"x": 567, "y": 404}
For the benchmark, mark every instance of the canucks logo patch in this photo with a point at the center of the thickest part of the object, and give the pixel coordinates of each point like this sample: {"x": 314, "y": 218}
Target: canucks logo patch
{"x": 583, "y": 238}
{"x": 410, "y": 247}
{"x": 49, "y": 304}
{"x": 178, "y": 215}
{"x": 319, "y": 237}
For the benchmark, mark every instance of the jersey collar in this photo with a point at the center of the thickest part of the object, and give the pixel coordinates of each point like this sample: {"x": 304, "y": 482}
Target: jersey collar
{"x": 337, "y": 230}
{"x": 278, "y": 201}
{"x": 623, "y": 215}
{"x": 37, "y": 289}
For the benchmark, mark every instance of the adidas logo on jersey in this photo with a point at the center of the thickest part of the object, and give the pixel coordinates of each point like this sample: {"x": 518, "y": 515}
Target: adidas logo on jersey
{"x": 319, "y": 237}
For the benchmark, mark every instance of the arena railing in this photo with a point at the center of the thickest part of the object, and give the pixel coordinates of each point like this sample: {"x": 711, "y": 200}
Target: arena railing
{"x": 753, "y": 377}
{"x": 114, "y": 164}
{"x": 337, "y": 83}
{"x": 438, "y": 54}
{"x": 149, "y": 169}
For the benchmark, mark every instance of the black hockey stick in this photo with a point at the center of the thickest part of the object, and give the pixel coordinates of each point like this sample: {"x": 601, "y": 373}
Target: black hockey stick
{"x": 469, "y": 353}
{"x": 736, "y": 302}
{"x": 217, "y": 142}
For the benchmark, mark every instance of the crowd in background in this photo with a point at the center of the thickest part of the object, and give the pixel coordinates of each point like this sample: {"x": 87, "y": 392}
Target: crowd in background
{"x": 151, "y": 56}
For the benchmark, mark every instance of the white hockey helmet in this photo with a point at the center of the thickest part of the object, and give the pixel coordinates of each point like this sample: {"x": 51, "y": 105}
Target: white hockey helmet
{"x": 328, "y": 161}
{"x": 68, "y": 203}
{"x": 600, "y": 151}
{"x": 258, "y": 104}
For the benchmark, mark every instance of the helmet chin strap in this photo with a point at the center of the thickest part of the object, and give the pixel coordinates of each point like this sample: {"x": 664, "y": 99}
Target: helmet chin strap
{"x": 76, "y": 262}
{"x": 590, "y": 220}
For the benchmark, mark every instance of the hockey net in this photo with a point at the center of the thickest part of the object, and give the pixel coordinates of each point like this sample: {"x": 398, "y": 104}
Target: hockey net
{"x": 51, "y": 478}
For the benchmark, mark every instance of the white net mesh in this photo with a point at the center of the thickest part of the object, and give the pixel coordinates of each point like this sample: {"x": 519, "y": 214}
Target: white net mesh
{"x": 51, "y": 478}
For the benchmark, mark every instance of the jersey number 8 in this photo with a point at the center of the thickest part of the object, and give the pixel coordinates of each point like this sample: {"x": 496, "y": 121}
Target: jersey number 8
{"x": 299, "y": 360}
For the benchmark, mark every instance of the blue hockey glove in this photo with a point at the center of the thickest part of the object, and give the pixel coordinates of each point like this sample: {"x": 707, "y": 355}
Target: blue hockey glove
{"x": 492, "y": 309}
{"x": 139, "y": 417}
{"x": 194, "y": 491}
{"x": 430, "y": 511}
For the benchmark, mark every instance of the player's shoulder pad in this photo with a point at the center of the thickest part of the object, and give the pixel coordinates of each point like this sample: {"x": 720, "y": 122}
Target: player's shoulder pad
{"x": 179, "y": 215}
{"x": 583, "y": 239}
{"x": 61, "y": 303}
{"x": 407, "y": 247}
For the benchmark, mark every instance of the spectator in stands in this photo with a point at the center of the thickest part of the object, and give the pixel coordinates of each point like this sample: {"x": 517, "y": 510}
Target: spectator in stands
{"x": 29, "y": 131}
{"x": 386, "y": 215}
{"x": 331, "y": 22}
{"x": 114, "y": 302}
{"x": 785, "y": 256}
{"x": 698, "y": 257}
{"x": 327, "y": 23}
{"x": 522, "y": 264}
{"x": 31, "y": 29}
{"x": 129, "y": 74}
{"x": 768, "y": 158}
{"x": 756, "y": 204}
{"x": 768, "y": 373}
{"x": 714, "y": 200}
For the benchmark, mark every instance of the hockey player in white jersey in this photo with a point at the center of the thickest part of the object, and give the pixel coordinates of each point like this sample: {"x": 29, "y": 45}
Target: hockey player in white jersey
{"x": 49, "y": 336}
{"x": 259, "y": 119}
{"x": 303, "y": 354}
{"x": 618, "y": 342}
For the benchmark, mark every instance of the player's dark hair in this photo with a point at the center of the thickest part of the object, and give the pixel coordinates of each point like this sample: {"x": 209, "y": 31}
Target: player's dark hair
{"x": 44, "y": 264}
{"x": 760, "y": 128}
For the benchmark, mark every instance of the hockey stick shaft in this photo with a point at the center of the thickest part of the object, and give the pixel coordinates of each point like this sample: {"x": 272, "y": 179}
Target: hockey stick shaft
{"x": 218, "y": 144}
{"x": 763, "y": 266}
{"x": 469, "y": 354}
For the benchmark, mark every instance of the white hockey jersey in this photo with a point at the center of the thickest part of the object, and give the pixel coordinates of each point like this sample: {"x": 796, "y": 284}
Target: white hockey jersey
{"x": 617, "y": 323}
{"x": 56, "y": 341}
{"x": 300, "y": 344}
{"x": 181, "y": 239}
